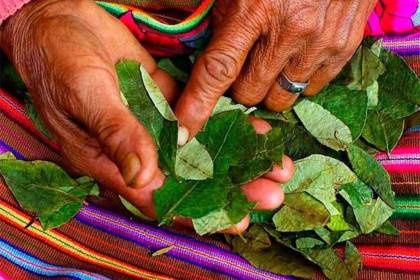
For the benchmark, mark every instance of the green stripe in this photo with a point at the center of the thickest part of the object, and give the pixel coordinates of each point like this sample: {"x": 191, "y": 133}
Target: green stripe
{"x": 408, "y": 208}
{"x": 152, "y": 23}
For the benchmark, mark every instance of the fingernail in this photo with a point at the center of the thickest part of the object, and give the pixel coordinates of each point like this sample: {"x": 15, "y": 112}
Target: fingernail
{"x": 130, "y": 169}
{"x": 183, "y": 136}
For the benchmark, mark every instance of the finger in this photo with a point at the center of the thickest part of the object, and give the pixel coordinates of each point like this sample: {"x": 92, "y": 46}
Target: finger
{"x": 282, "y": 174}
{"x": 83, "y": 152}
{"x": 266, "y": 193}
{"x": 143, "y": 198}
{"x": 299, "y": 69}
{"x": 262, "y": 67}
{"x": 239, "y": 228}
{"x": 106, "y": 118}
{"x": 324, "y": 75}
{"x": 261, "y": 126}
{"x": 215, "y": 71}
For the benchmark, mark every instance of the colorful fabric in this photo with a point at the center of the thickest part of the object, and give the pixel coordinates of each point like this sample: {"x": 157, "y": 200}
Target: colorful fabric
{"x": 391, "y": 16}
{"x": 102, "y": 242}
{"x": 171, "y": 27}
{"x": 9, "y": 7}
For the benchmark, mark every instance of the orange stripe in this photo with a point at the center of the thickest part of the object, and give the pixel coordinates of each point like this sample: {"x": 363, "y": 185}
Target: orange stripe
{"x": 66, "y": 245}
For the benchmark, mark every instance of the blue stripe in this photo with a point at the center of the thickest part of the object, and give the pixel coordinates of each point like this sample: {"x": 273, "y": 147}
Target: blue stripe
{"x": 10, "y": 149}
{"x": 39, "y": 267}
{"x": 415, "y": 129}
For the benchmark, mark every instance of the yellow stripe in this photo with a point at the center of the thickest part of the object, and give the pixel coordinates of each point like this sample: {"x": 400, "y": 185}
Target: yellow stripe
{"x": 62, "y": 241}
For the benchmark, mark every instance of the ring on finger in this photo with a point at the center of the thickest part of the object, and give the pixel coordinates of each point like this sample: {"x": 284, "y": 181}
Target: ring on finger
{"x": 295, "y": 88}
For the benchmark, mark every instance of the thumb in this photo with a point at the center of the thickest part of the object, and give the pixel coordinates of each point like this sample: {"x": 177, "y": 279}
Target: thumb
{"x": 214, "y": 72}
{"x": 121, "y": 137}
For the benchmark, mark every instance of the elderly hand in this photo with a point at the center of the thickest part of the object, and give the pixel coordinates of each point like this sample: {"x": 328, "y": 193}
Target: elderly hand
{"x": 65, "y": 52}
{"x": 255, "y": 41}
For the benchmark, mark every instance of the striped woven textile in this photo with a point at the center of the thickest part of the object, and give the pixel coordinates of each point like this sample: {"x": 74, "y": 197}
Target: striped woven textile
{"x": 105, "y": 243}
{"x": 102, "y": 243}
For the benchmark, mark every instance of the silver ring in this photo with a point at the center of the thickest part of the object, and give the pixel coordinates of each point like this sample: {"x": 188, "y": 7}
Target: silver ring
{"x": 292, "y": 87}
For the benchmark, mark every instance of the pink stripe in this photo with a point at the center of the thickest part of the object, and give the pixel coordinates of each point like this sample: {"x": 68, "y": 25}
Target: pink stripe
{"x": 402, "y": 168}
{"x": 413, "y": 156}
{"x": 400, "y": 151}
{"x": 3, "y": 276}
{"x": 9, "y": 7}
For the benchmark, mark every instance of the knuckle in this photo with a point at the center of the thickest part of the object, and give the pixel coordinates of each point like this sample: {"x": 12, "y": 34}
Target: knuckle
{"x": 111, "y": 135}
{"x": 221, "y": 66}
{"x": 340, "y": 44}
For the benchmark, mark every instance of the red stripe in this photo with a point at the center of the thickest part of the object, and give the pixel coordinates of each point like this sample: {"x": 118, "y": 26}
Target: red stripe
{"x": 15, "y": 111}
{"x": 80, "y": 257}
{"x": 391, "y": 257}
{"x": 132, "y": 253}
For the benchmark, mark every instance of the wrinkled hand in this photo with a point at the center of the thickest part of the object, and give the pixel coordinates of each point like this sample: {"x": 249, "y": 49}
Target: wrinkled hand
{"x": 255, "y": 41}
{"x": 65, "y": 52}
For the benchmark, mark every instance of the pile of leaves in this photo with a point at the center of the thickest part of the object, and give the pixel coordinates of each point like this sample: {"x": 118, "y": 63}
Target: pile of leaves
{"x": 339, "y": 191}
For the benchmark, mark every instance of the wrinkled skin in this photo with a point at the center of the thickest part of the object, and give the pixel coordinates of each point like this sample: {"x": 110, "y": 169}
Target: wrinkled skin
{"x": 255, "y": 40}
{"x": 65, "y": 51}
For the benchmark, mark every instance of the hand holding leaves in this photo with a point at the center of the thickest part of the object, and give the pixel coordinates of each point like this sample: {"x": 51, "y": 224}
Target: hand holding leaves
{"x": 65, "y": 52}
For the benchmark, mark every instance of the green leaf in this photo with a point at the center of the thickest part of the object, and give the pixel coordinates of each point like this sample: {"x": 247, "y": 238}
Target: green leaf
{"x": 257, "y": 248}
{"x": 352, "y": 259}
{"x": 156, "y": 96}
{"x": 193, "y": 162}
{"x": 139, "y": 102}
{"x": 225, "y": 104}
{"x": 370, "y": 217}
{"x": 133, "y": 209}
{"x": 167, "y": 146}
{"x": 285, "y": 116}
{"x": 148, "y": 104}
{"x": 356, "y": 193}
{"x": 230, "y": 139}
{"x": 173, "y": 70}
{"x": 366, "y": 67}
{"x": 324, "y": 126}
{"x": 308, "y": 243}
{"x": 36, "y": 118}
{"x": 193, "y": 199}
{"x": 382, "y": 131}
{"x": 45, "y": 189}
{"x": 261, "y": 216}
{"x": 271, "y": 145}
{"x": 319, "y": 176}
{"x": 326, "y": 258}
{"x": 337, "y": 220}
{"x": 237, "y": 208}
{"x": 300, "y": 212}
{"x": 399, "y": 87}
{"x": 298, "y": 142}
{"x": 388, "y": 228}
{"x": 350, "y": 106}
{"x": 338, "y": 223}
{"x": 250, "y": 170}
{"x": 163, "y": 251}
{"x": 7, "y": 155}
{"x": 372, "y": 173}
{"x": 373, "y": 95}
{"x": 347, "y": 235}
{"x": 330, "y": 264}
{"x": 324, "y": 234}
{"x": 213, "y": 222}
